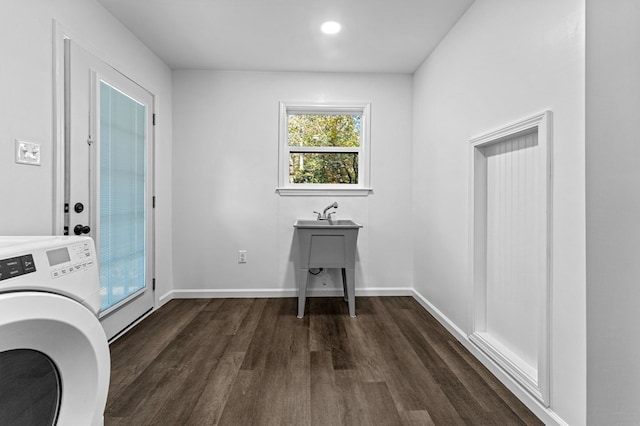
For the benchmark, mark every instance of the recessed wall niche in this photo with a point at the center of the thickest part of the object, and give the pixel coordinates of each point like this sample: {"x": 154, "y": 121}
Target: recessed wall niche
{"x": 511, "y": 249}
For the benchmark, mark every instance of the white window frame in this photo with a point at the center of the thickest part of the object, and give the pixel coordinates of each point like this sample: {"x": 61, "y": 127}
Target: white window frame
{"x": 362, "y": 188}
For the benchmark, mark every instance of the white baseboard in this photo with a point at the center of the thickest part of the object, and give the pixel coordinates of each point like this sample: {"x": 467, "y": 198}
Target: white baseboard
{"x": 279, "y": 292}
{"x": 548, "y": 416}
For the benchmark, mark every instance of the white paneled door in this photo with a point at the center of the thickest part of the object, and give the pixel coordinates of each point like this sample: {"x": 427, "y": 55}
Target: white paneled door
{"x": 108, "y": 181}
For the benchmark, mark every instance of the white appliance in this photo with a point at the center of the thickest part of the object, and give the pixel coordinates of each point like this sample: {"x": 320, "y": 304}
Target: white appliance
{"x": 54, "y": 356}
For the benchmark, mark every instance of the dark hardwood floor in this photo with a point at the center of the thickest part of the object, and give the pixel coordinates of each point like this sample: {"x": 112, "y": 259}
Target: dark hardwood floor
{"x": 252, "y": 362}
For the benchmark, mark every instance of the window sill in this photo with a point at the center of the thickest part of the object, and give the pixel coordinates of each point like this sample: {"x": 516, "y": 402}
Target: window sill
{"x": 297, "y": 192}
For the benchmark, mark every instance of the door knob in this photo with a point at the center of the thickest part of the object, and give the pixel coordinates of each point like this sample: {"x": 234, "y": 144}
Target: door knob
{"x": 80, "y": 229}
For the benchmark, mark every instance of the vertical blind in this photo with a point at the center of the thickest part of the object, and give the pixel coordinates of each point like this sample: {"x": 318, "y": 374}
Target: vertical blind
{"x": 122, "y": 232}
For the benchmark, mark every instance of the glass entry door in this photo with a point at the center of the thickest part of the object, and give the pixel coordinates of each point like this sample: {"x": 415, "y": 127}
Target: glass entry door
{"x": 122, "y": 215}
{"x": 109, "y": 181}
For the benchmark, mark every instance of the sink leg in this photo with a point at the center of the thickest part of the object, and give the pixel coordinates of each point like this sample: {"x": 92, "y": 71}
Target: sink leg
{"x": 344, "y": 285}
{"x": 349, "y": 276}
{"x": 303, "y": 276}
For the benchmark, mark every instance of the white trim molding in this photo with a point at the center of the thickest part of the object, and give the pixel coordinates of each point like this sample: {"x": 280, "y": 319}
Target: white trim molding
{"x": 334, "y": 192}
{"x": 60, "y": 34}
{"x": 492, "y": 189}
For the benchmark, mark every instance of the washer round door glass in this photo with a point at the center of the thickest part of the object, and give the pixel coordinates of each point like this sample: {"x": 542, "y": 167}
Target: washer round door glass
{"x": 29, "y": 388}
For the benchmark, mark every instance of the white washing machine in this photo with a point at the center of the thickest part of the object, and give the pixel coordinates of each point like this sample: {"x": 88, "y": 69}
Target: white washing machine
{"x": 54, "y": 355}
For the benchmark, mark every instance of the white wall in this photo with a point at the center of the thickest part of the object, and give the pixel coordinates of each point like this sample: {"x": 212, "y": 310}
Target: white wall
{"x": 613, "y": 211}
{"x": 504, "y": 61}
{"x": 225, "y": 176}
{"x": 26, "y": 110}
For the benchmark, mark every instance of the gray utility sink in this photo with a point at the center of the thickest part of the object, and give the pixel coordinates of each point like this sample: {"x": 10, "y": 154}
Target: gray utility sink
{"x": 327, "y": 244}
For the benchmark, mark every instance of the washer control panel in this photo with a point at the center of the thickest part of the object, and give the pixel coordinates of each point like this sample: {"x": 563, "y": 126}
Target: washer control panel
{"x": 16, "y": 266}
{"x": 62, "y": 261}
{"x": 58, "y": 264}
{"x": 69, "y": 259}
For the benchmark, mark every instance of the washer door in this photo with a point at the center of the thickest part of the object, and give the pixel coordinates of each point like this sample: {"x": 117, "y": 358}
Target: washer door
{"x": 56, "y": 345}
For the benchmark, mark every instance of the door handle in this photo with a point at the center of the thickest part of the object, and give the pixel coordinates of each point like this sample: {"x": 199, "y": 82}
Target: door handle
{"x": 81, "y": 229}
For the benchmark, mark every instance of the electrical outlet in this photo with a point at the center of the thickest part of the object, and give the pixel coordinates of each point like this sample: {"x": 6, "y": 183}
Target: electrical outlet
{"x": 242, "y": 256}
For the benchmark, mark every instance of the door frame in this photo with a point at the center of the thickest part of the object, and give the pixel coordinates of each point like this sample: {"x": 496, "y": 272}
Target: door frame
{"x": 60, "y": 34}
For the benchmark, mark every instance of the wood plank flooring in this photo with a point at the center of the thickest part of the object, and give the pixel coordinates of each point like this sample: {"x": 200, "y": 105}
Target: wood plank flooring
{"x": 252, "y": 362}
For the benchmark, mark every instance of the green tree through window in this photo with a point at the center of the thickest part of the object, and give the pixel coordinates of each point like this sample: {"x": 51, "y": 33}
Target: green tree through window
{"x": 319, "y": 148}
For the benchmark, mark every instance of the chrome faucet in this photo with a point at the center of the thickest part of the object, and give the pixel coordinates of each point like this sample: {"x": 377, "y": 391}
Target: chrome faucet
{"x": 323, "y": 215}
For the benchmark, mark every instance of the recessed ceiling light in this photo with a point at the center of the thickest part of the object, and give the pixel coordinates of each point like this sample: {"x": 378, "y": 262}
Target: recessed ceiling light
{"x": 331, "y": 27}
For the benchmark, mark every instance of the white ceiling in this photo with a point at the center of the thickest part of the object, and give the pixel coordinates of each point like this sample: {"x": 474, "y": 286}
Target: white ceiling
{"x": 392, "y": 36}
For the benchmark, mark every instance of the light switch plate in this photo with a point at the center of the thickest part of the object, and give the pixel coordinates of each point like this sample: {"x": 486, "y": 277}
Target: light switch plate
{"x": 27, "y": 153}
